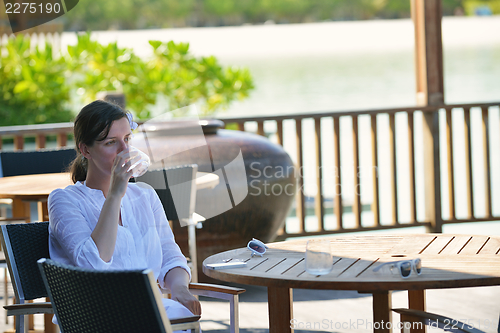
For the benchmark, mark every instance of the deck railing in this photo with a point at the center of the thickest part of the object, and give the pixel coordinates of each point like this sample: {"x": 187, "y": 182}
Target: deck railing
{"x": 422, "y": 170}
{"x": 409, "y": 200}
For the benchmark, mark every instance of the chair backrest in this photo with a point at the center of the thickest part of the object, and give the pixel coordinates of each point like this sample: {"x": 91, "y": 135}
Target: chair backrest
{"x": 24, "y": 244}
{"x": 104, "y": 301}
{"x": 176, "y": 188}
{"x": 18, "y": 163}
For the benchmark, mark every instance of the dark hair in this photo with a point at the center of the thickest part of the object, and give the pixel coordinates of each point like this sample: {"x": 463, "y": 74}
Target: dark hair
{"x": 92, "y": 124}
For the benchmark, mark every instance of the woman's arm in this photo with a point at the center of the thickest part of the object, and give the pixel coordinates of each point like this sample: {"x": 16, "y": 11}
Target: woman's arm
{"x": 174, "y": 274}
{"x": 104, "y": 234}
{"x": 177, "y": 280}
{"x": 70, "y": 216}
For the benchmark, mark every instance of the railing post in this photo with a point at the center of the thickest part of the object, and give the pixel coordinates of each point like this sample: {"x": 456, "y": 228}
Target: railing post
{"x": 426, "y": 15}
{"x": 18, "y": 142}
{"x": 432, "y": 188}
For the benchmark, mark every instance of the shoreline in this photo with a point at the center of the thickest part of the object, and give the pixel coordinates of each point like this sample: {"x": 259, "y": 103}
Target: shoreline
{"x": 291, "y": 40}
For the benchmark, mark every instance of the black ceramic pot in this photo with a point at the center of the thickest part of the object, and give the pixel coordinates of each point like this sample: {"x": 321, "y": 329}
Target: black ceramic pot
{"x": 269, "y": 183}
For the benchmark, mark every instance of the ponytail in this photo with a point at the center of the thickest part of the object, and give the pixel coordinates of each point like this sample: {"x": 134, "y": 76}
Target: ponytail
{"x": 78, "y": 168}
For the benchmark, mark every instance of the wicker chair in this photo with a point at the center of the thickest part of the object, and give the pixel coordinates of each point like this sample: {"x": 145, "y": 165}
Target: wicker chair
{"x": 23, "y": 245}
{"x": 17, "y": 163}
{"x": 108, "y": 301}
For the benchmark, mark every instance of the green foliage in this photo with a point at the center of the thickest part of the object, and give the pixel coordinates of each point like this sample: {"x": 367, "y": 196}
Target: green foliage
{"x": 36, "y": 87}
{"x": 471, "y": 6}
{"x": 109, "y": 68}
{"x": 33, "y": 88}
{"x": 187, "y": 79}
{"x": 128, "y": 14}
{"x": 172, "y": 74}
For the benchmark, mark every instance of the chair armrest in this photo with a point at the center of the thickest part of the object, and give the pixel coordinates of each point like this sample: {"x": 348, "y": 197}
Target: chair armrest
{"x": 184, "y": 320}
{"x": 215, "y": 291}
{"x": 14, "y": 219}
{"x": 216, "y": 288}
{"x": 28, "y": 308}
{"x": 436, "y": 320}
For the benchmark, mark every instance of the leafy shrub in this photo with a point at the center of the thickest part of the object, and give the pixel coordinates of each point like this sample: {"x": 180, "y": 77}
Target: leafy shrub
{"x": 33, "y": 85}
{"x": 172, "y": 74}
{"x": 37, "y": 86}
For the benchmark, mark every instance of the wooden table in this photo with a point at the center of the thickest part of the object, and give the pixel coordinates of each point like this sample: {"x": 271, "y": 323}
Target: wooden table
{"x": 449, "y": 261}
{"x": 22, "y": 189}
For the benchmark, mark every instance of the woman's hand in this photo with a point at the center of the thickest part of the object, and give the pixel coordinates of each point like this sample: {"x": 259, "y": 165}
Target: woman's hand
{"x": 183, "y": 296}
{"x": 177, "y": 280}
{"x": 120, "y": 174}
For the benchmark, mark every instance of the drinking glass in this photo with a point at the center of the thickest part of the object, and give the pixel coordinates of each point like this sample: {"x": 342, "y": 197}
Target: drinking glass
{"x": 141, "y": 166}
{"x": 319, "y": 260}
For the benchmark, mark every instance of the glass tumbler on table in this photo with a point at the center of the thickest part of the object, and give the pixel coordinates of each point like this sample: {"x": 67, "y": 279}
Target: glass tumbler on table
{"x": 141, "y": 166}
{"x": 319, "y": 260}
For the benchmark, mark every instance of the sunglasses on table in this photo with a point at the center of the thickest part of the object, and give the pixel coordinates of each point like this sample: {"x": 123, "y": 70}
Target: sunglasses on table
{"x": 257, "y": 247}
{"x": 404, "y": 267}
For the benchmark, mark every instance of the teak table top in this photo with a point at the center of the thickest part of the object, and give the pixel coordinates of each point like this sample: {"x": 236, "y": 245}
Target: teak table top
{"x": 448, "y": 261}
{"x": 40, "y": 185}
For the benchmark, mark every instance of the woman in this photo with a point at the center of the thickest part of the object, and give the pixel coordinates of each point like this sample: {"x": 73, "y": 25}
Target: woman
{"x": 104, "y": 222}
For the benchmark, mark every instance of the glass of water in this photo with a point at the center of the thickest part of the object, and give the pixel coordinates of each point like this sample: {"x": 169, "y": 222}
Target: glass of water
{"x": 141, "y": 166}
{"x": 319, "y": 260}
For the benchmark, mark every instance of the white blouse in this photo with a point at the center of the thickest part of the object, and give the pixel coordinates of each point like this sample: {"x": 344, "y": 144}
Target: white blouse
{"x": 144, "y": 241}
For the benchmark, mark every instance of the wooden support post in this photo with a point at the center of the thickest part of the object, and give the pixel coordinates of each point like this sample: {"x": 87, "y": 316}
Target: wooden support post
{"x": 394, "y": 166}
{"x": 426, "y": 15}
{"x": 356, "y": 205}
{"x": 318, "y": 201}
{"x": 382, "y": 315}
{"x": 300, "y": 209}
{"x": 416, "y": 301}
{"x": 337, "y": 175}
{"x": 43, "y": 211}
{"x": 279, "y": 131}
{"x": 40, "y": 141}
{"x": 18, "y": 142}
{"x": 376, "y": 201}
{"x": 62, "y": 139}
{"x": 432, "y": 185}
{"x": 280, "y": 306}
{"x": 260, "y": 128}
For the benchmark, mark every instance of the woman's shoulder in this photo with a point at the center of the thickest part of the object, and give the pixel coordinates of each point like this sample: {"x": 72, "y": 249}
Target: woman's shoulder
{"x": 71, "y": 191}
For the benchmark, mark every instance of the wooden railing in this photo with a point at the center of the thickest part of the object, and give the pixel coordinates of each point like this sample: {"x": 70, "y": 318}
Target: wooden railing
{"x": 398, "y": 197}
{"x": 39, "y": 132}
{"x": 376, "y": 129}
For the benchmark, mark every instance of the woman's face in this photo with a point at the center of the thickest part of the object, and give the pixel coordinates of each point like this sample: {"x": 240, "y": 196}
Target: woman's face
{"x": 102, "y": 153}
